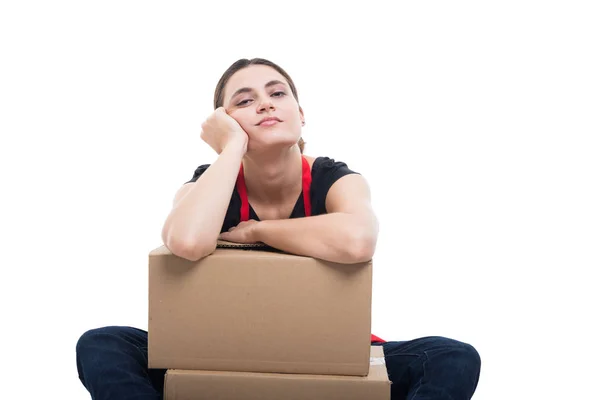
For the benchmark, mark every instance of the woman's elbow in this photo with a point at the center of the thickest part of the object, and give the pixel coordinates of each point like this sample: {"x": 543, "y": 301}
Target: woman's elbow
{"x": 362, "y": 248}
{"x": 190, "y": 250}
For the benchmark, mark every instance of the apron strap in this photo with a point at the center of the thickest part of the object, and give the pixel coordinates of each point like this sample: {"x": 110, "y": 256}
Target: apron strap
{"x": 306, "y": 181}
{"x": 241, "y": 188}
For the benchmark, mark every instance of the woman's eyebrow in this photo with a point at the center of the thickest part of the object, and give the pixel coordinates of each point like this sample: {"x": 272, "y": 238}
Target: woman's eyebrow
{"x": 247, "y": 89}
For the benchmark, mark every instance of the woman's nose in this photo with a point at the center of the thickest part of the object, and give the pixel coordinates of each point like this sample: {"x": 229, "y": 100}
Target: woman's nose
{"x": 265, "y": 104}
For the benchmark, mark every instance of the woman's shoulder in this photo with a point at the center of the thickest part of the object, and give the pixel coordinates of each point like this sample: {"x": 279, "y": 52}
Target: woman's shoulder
{"x": 327, "y": 165}
{"x": 198, "y": 172}
{"x": 325, "y": 172}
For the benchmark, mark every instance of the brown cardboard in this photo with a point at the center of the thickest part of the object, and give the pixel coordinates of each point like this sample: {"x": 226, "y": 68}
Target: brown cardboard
{"x": 211, "y": 385}
{"x": 259, "y": 311}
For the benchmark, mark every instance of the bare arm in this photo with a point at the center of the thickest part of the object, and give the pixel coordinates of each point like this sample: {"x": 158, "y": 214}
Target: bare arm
{"x": 193, "y": 225}
{"x": 346, "y": 234}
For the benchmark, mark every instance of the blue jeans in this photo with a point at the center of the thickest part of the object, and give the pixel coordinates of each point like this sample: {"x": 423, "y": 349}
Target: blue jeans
{"x": 113, "y": 364}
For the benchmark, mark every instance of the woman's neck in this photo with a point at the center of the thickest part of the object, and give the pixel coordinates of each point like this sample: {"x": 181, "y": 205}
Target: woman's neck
{"x": 274, "y": 177}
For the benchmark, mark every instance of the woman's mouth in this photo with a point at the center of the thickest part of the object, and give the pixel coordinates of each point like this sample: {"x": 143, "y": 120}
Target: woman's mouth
{"x": 270, "y": 122}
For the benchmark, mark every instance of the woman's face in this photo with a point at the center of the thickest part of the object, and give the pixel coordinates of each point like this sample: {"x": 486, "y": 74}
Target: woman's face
{"x": 257, "y": 92}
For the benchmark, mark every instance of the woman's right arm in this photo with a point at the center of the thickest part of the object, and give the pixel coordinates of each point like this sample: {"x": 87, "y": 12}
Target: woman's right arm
{"x": 194, "y": 223}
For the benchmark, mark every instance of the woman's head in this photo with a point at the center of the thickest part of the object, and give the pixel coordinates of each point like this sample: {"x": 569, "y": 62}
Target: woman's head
{"x": 251, "y": 90}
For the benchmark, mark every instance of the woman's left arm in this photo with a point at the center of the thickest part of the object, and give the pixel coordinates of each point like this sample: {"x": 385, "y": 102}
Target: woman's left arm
{"x": 346, "y": 234}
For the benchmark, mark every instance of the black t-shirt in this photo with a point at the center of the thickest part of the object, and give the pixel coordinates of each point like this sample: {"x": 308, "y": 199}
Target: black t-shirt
{"x": 325, "y": 172}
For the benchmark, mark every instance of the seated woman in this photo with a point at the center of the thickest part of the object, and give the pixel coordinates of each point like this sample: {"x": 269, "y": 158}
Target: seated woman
{"x": 262, "y": 188}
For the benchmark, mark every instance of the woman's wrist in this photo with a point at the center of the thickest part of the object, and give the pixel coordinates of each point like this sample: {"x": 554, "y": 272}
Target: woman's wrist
{"x": 258, "y": 231}
{"x": 236, "y": 146}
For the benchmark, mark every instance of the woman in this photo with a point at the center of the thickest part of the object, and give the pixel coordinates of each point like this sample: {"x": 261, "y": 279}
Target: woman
{"x": 262, "y": 188}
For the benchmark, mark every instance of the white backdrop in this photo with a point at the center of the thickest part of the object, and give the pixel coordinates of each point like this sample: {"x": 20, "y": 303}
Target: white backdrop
{"x": 475, "y": 123}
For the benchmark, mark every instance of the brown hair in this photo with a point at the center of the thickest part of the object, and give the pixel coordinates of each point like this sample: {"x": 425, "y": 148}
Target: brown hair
{"x": 243, "y": 63}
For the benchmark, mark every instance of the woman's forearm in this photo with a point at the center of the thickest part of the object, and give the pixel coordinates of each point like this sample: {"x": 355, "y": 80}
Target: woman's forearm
{"x": 192, "y": 227}
{"x": 338, "y": 237}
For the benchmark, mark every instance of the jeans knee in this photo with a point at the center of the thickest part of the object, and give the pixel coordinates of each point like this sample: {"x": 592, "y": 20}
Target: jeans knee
{"x": 471, "y": 358}
{"x": 86, "y": 351}
{"x": 94, "y": 339}
{"x": 91, "y": 336}
{"x": 461, "y": 354}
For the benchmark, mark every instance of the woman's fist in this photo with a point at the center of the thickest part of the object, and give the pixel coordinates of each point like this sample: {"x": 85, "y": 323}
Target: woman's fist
{"x": 220, "y": 129}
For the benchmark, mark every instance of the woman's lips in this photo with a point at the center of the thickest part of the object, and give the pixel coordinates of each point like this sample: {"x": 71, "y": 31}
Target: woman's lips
{"x": 269, "y": 123}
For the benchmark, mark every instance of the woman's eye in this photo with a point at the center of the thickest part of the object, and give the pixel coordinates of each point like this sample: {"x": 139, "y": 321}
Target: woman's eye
{"x": 274, "y": 94}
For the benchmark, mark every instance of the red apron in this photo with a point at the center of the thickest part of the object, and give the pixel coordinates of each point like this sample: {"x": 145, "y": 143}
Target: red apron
{"x": 306, "y": 181}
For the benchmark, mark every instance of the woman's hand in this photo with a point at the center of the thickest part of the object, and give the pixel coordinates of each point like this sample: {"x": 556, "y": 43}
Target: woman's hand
{"x": 245, "y": 232}
{"x": 220, "y": 129}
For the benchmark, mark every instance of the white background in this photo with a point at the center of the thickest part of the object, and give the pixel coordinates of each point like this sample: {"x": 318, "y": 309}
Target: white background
{"x": 475, "y": 123}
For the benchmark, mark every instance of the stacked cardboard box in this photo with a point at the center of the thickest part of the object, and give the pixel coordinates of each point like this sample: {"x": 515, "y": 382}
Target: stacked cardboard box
{"x": 261, "y": 324}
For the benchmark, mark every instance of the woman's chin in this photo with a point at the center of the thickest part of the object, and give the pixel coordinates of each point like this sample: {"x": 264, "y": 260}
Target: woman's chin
{"x": 274, "y": 141}
{"x": 271, "y": 145}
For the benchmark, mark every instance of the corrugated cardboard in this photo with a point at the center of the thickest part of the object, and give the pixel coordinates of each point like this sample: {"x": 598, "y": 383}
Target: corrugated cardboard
{"x": 210, "y": 385}
{"x": 259, "y": 311}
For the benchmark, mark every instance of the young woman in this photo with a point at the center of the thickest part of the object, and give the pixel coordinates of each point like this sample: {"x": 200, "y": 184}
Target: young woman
{"x": 262, "y": 188}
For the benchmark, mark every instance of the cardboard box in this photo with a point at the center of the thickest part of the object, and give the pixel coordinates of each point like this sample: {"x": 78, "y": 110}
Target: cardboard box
{"x": 259, "y": 311}
{"x": 210, "y": 385}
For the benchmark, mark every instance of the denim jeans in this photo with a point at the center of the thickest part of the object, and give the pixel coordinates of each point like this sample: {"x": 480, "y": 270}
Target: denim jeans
{"x": 113, "y": 364}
